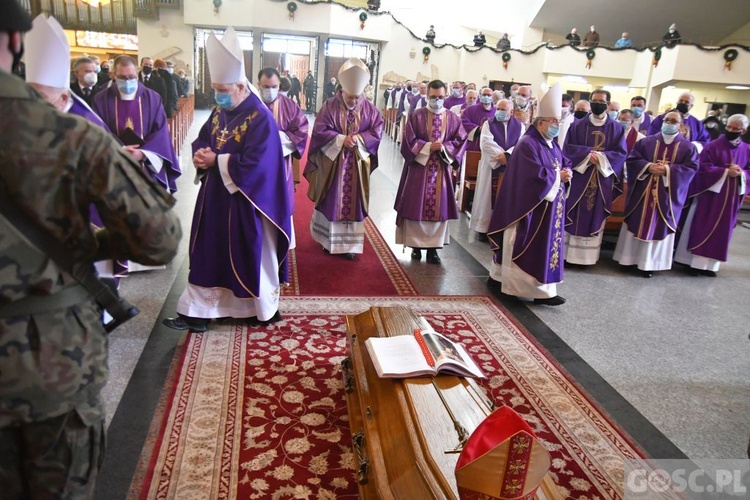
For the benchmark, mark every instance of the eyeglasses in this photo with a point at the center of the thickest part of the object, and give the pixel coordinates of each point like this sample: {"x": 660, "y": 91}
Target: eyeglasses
{"x": 671, "y": 120}
{"x": 553, "y": 121}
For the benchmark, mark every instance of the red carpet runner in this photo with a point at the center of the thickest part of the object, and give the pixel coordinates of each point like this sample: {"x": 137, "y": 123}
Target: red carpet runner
{"x": 376, "y": 272}
{"x": 261, "y": 413}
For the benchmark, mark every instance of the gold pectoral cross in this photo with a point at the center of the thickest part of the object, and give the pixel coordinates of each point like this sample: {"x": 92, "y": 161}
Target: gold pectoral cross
{"x": 222, "y": 139}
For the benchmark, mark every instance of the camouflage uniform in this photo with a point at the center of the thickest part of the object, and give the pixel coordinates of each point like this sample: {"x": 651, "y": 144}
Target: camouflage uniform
{"x": 54, "y": 365}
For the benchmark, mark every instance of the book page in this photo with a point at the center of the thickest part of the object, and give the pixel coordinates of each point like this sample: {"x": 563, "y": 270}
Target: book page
{"x": 398, "y": 356}
{"x": 450, "y": 356}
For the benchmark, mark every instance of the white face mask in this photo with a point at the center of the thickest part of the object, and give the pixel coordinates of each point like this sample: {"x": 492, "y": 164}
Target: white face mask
{"x": 269, "y": 95}
{"x": 90, "y": 79}
{"x": 170, "y": 70}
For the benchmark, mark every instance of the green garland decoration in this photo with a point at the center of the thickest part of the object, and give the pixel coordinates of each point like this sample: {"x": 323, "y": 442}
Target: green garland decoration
{"x": 729, "y": 56}
{"x": 536, "y": 49}
{"x": 217, "y": 4}
{"x": 291, "y": 7}
{"x": 363, "y": 16}
{"x": 590, "y": 55}
{"x": 426, "y": 53}
{"x": 506, "y": 59}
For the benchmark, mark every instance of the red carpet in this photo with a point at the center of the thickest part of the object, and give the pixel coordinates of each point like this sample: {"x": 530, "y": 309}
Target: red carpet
{"x": 261, "y": 413}
{"x": 376, "y": 272}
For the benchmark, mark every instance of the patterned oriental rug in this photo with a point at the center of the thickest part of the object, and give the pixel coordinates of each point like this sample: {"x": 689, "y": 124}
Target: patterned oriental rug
{"x": 261, "y": 413}
{"x": 313, "y": 271}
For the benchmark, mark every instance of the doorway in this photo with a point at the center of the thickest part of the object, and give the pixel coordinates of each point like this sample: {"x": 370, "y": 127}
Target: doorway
{"x": 294, "y": 57}
{"x": 204, "y": 94}
{"x": 339, "y": 50}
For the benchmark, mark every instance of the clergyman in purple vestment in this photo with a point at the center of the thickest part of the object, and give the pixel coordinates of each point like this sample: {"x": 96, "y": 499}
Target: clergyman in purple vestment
{"x": 691, "y": 128}
{"x": 457, "y": 96}
{"x": 475, "y": 116}
{"x": 292, "y": 124}
{"x": 716, "y": 195}
{"x": 659, "y": 171}
{"x": 497, "y": 140}
{"x": 239, "y": 240}
{"x": 595, "y": 146}
{"x": 130, "y": 105}
{"x": 343, "y": 153}
{"x": 433, "y": 147}
{"x": 526, "y": 229}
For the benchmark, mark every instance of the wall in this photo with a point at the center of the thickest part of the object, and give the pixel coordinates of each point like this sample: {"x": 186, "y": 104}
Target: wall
{"x": 687, "y": 65}
{"x": 741, "y": 36}
{"x": 167, "y": 38}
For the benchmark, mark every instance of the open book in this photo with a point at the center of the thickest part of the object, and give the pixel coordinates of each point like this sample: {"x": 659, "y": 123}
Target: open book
{"x": 425, "y": 353}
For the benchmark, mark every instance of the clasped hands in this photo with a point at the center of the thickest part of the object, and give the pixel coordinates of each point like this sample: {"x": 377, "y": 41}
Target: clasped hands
{"x": 350, "y": 141}
{"x": 436, "y": 146}
{"x": 566, "y": 174}
{"x": 204, "y": 158}
{"x": 658, "y": 168}
{"x": 734, "y": 170}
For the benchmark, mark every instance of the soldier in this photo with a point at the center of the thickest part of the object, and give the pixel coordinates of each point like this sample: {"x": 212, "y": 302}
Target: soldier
{"x": 53, "y": 347}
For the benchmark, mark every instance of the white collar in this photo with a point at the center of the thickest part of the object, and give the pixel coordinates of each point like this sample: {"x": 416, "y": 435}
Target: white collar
{"x": 669, "y": 139}
{"x": 70, "y": 102}
{"x": 598, "y": 122}
{"x": 127, "y": 97}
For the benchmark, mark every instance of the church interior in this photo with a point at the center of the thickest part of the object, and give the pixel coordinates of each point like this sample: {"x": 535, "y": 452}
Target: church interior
{"x": 653, "y": 368}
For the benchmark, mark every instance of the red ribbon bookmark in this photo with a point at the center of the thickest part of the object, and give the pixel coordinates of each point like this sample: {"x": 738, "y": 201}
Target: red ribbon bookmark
{"x": 423, "y": 345}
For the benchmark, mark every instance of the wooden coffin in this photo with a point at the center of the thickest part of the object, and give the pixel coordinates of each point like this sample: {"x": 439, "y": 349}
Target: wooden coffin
{"x": 405, "y": 441}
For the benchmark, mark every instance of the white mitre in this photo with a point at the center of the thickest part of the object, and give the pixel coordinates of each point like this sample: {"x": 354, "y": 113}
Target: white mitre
{"x": 550, "y": 103}
{"x": 47, "y": 54}
{"x": 226, "y": 63}
{"x": 354, "y": 76}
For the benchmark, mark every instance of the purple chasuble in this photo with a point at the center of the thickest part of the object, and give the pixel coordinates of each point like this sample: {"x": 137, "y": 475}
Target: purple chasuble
{"x": 645, "y": 125}
{"x": 145, "y": 115}
{"x": 292, "y": 121}
{"x": 691, "y": 129}
{"x": 473, "y": 118}
{"x": 451, "y": 101}
{"x": 716, "y": 214}
{"x": 347, "y": 180}
{"x": 653, "y": 209}
{"x": 506, "y": 135}
{"x": 426, "y": 192}
{"x": 80, "y": 108}
{"x": 589, "y": 201}
{"x": 226, "y": 237}
{"x": 529, "y": 177}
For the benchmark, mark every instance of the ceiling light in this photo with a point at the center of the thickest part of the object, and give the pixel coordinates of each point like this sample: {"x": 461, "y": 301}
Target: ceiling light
{"x": 737, "y": 87}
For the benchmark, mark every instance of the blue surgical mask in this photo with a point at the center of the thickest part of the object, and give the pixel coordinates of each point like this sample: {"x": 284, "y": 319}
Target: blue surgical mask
{"x": 637, "y": 111}
{"x": 127, "y": 86}
{"x": 613, "y": 114}
{"x": 435, "y": 104}
{"x": 669, "y": 128}
{"x": 486, "y": 99}
{"x": 553, "y": 131}
{"x": 224, "y": 100}
{"x": 415, "y": 90}
{"x": 501, "y": 115}
{"x": 625, "y": 124}
{"x": 456, "y": 92}
{"x": 521, "y": 101}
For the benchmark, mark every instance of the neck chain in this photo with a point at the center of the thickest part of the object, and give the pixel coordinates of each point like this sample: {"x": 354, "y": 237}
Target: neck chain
{"x": 224, "y": 134}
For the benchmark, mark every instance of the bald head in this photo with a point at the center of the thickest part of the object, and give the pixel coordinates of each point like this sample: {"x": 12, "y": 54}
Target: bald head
{"x": 57, "y": 97}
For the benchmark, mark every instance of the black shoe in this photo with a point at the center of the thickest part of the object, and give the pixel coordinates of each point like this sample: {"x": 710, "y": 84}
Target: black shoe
{"x": 552, "y": 301}
{"x": 482, "y": 237}
{"x": 416, "y": 254}
{"x": 710, "y": 274}
{"x": 493, "y": 284}
{"x": 628, "y": 269}
{"x": 349, "y": 256}
{"x": 254, "y": 321}
{"x": 647, "y": 274}
{"x": 570, "y": 265}
{"x": 182, "y": 323}
{"x": 433, "y": 257}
